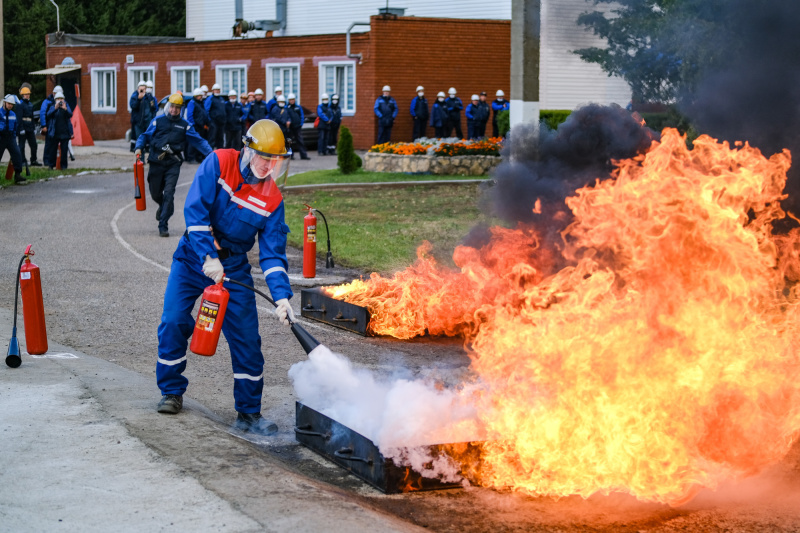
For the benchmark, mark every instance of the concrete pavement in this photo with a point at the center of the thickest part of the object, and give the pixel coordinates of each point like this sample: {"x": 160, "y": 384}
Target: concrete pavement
{"x": 74, "y": 460}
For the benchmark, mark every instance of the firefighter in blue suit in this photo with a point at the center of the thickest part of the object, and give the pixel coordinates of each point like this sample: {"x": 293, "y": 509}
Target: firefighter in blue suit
{"x": 420, "y": 113}
{"x": 9, "y": 129}
{"x": 386, "y": 111}
{"x": 232, "y": 201}
{"x": 167, "y": 137}
{"x": 500, "y": 104}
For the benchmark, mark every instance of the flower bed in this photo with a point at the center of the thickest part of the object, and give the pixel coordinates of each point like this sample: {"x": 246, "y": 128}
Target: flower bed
{"x": 436, "y": 156}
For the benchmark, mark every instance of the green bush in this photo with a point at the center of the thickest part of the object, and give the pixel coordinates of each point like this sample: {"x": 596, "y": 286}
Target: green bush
{"x": 554, "y": 117}
{"x": 348, "y": 159}
{"x": 503, "y": 123}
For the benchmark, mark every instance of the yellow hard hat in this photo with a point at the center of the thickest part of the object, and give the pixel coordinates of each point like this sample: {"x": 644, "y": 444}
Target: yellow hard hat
{"x": 266, "y": 138}
{"x": 176, "y": 99}
{"x": 24, "y": 91}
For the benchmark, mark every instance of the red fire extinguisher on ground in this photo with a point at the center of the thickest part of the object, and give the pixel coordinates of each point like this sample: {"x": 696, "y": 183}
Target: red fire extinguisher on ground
{"x": 309, "y": 244}
{"x": 209, "y": 320}
{"x": 29, "y": 283}
{"x": 138, "y": 179}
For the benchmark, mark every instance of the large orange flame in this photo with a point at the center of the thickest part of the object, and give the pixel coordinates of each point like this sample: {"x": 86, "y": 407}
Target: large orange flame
{"x": 662, "y": 359}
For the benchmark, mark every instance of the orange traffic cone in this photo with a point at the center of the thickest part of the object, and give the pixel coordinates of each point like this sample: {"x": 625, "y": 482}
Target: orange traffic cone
{"x": 9, "y": 171}
{"x": 58, "y": 157}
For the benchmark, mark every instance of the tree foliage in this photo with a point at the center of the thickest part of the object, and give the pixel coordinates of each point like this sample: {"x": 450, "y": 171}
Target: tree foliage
{"x": 661, "y": 47}
{"x": 26, "y": 22}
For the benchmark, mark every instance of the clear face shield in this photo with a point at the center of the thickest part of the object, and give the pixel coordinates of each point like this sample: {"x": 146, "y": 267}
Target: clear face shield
{"x": 257, "y": 166}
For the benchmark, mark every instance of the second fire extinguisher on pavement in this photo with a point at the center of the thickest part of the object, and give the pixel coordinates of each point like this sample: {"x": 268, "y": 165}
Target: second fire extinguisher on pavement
{"x": 309, "y": 244}
{"x": 29, "y": 283}
{"x": 138, "y": 179}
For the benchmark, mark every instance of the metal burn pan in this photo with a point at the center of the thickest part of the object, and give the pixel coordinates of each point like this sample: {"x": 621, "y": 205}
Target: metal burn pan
{"x": 316, "y": 305}
{"x": 361, "y": 457}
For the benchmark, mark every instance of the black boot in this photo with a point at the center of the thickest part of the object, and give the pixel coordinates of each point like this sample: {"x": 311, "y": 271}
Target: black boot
{"x": 19, "y": 178}
{"x": 170, "y": 404}
{"x": 256, "y": 424}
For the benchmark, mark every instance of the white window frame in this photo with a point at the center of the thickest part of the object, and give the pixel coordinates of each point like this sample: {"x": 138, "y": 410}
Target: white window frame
{"x": 96, "y": 107}
{"x": 218, "y": 74}
{"x": 133, "y": 82}
{"x": 271, "y": 82}
{"x": 173, "y": 80}
{"x": 346, "y": 112}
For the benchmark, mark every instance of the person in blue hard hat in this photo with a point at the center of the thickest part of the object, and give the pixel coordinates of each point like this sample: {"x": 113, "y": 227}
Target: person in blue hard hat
{"x": 167, "y": 136}
{"x": 233, "y": 201}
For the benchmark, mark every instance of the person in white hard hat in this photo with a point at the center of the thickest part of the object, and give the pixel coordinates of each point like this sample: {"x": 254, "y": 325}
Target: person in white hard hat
{"x": 324, "y": 127}
{"x": 49, "y": 101}
{"x": 215, "y": 107}
{"x": 500, "y": 104}
{"x": 234, "y": 116}
{"x": 143, "y": 109}
{"x": 472, "y": 116}
{"x": 420, "y": 113}
{"x": 386, "y": 111}
{"x": 258, "y": 107}
{"x": 453, "y": 105}
{"x": 8, "y": 136}
{"x": 204, "y": 88}
{"x": 484, "y": 112}
{"x": 133, "y": 102}
{"x": 336, "y": 122}
{"x": 197, "y": 117}
{"x": 280, "y": 115}
{"x": 59, "y": 130}
{"x": 274, "y": 100}
{"x": 439, "y": 115}
{"x": 296, "y": 128}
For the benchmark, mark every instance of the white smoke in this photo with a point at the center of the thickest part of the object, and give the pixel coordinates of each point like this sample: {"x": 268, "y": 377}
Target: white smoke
{"x": 400, "y": 416}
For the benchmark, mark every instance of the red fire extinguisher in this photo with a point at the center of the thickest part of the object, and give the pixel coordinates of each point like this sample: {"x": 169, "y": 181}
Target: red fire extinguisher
{"x": 209, "y": 320}
{"x": 309, "y": 243}
{"x": 138, "y": 179}
{"x": 32, "y": 305}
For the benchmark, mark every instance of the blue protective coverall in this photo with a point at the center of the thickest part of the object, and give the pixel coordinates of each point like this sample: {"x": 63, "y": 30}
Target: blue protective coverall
{"x": 221, "y": 200}
{"x": 386, "y": 111}
{"x": 497, "y": 107}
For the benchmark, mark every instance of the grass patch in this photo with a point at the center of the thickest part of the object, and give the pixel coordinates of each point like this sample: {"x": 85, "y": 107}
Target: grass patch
{"x": 313, "y": 177}
{"x": 380, "y": 229}
{"x": 38, "y": 174}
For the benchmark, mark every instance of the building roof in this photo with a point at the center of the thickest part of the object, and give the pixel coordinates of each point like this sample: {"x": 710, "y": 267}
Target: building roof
{"x": 81, "y": 39}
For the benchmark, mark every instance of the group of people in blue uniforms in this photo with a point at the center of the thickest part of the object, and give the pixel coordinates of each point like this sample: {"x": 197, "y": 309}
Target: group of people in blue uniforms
{"x": 444, "y": 116}
{"x": 18, "y": 129}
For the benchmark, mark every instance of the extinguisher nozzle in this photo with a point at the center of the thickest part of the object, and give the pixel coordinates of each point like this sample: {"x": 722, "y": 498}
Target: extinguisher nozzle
{"x": 304, "y": 337}
{"x": 12, "y": 358}
{"x": 329, "y": 260}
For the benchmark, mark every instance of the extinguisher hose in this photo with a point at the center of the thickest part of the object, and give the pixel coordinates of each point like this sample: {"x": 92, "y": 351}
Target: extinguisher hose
{"x": 328, "y": 256}
{"x": 13, "y": 359}
{"x": 16, "y": 292}
{"x": 306, "y": 340}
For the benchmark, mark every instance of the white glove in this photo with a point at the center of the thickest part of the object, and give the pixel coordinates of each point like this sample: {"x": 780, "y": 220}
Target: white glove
{"x": 284, "y": 311}
{"x": 213, "y": 269}
{"x": 138, "y": 152}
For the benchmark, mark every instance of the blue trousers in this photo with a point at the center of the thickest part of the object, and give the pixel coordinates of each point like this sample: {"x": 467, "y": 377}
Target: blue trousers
{"x": 240, "y": 326}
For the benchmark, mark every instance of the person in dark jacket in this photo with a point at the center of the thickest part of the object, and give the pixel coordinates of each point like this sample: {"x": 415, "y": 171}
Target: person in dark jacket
{"x": 281, "y": 115}
{"x": 27, "y": 126}
{"x": 234, "y": 115}
{"x": 336, "y": 121}
{"x": 258, "y": 108}
{"x": 499, "y": 104}
{"x": 483, "y": 116}
{"x": 419, "y": 111}
{"x": 453, "y": 106}
{"x": 439, "y": 115}
{"x": 143, "y": 109}
{"x": 324, "y": 116}
{"x": 167, "y": 136}
{"x": 9, "y": 129}
{"x": 295, "y": 130}
{"x": 472, "y": 117}
{"x": 59, "y": 129}
{"x": 133, "y": 103}
{"x": 215, "y": 107}
{"x": 197, "y": 117}
{"x": 386, "y": 111}
{"x": 49, "y": 101}
{"x": 274, "y": 100}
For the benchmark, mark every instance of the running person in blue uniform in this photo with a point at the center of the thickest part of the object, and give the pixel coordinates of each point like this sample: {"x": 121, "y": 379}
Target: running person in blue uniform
{"x": 232, "y": 202}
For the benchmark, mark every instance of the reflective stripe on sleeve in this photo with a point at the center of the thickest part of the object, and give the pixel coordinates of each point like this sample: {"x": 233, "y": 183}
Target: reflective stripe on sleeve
{"x": 172, "y": 363}
{"x": 198, "y": 228}
{"x": 248, "y": 376}
{"x": 274, "y": 269}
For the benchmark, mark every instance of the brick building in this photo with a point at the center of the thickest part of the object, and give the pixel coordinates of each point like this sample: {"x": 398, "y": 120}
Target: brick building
{"x": 471, "y": 55}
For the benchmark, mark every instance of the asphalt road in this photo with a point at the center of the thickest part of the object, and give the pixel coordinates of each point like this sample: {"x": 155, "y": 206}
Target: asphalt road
{"x": 104, "y": 270}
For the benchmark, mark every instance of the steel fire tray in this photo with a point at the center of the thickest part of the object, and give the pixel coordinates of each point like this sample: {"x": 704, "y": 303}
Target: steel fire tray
{"x": 316, "y": 305}
{"x": 360, "y": 456}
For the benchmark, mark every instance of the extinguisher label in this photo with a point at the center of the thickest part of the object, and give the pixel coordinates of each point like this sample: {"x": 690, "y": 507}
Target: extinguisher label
{"x": 207, "y": 315}
{"x": 25, "y": 275}
{"x": 312, "y": 234}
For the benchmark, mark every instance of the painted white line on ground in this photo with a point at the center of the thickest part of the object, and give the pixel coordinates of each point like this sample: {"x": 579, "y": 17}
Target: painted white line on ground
{"x": 54, "y": 356}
